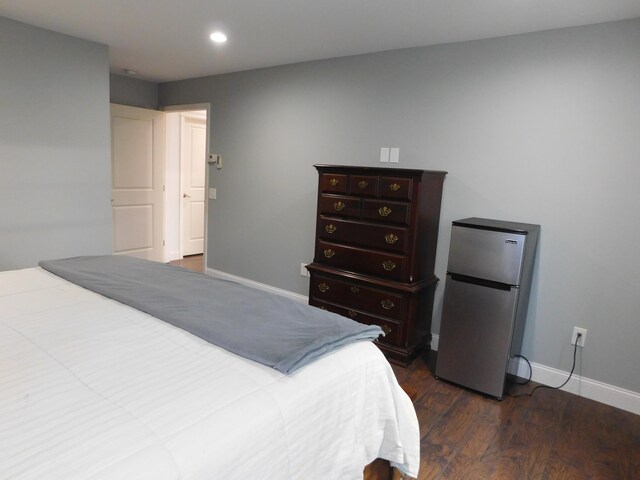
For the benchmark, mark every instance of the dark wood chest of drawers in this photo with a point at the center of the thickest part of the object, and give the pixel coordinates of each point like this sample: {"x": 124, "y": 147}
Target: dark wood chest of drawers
{"x": 376, "y": 239}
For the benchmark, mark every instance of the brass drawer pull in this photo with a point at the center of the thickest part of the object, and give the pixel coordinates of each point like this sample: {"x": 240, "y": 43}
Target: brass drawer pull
{"x": 384, "y": 211}
{"x": 353, "y": 314}
{"x": 334, "y": 182}
{"x": 330, "y": 228}
{"x": 386, "y": 329}
{"x": 391, "y": 238}
{"x": 338, "y": 206}
{"x": 363, "y": 184}
{"x": 323, "y": 287}
{"x": 330, "y": 253}
{"x": 388, "y": 265}
{"x": 354, "y": 289}
{"x": 394, "y": 187}
{"x": 387, "y": 304}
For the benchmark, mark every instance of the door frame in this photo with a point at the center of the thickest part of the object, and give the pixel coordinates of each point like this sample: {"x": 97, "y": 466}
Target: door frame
{"x": 186, "y": 108}
{"x": 187, "y": 118}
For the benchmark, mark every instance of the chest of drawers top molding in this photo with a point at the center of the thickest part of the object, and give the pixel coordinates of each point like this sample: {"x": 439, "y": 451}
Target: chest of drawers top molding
{"x": 376, "y": 170}
{"x": 391, "y": 183}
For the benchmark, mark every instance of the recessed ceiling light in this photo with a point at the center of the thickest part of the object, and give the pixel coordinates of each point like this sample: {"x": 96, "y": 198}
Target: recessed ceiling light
{"x": 218, "y": 37}
{"x": 129, "y": 71}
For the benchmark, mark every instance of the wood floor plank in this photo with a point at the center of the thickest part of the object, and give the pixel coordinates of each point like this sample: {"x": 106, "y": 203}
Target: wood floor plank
{"x": 552, "y": 435}
{"x": 466, "y": 468}
{"x": 591, "y": 438}
{"x": 191, "y": 262}
{"x": 517, "y": 458}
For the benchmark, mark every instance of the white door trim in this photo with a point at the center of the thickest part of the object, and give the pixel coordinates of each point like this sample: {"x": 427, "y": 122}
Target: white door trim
{"x": 190, "y": 122}
{"x": 207, "y": 108}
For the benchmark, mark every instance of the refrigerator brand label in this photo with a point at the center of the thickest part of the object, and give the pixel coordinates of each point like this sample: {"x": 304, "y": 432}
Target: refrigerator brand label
{"x": 512, "y": 242}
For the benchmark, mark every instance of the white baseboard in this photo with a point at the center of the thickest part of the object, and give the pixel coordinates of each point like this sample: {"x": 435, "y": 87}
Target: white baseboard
{"x": 583, "y": 386}
{"x": 435, "y": 340}
{"x": 260, "y": 286}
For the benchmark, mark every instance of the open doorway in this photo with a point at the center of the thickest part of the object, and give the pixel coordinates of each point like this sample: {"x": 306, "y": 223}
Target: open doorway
{"x": 186, "y": 183}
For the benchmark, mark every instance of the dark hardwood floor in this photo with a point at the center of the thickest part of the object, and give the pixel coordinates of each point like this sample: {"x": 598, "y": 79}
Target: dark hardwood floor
{"x": 552, "y": 435}
{"x": 192, "y": 262}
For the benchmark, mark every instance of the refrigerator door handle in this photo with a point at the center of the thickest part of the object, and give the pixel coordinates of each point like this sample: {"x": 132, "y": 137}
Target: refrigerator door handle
{"x": 480, "y": 281}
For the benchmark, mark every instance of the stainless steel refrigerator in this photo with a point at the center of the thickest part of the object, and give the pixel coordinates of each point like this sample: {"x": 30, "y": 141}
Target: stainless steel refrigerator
{"x": 485, "y": 302}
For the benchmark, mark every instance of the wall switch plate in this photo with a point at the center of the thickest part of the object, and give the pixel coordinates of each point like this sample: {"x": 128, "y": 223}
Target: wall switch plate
{"x": 394, "y": 155}
{"x": 574, "y": 336}
{"x": 384, "y": 155}
{"x": 216, "y": 159}
{"x": 303, "y": 270}
{"x": 212, "y": 193}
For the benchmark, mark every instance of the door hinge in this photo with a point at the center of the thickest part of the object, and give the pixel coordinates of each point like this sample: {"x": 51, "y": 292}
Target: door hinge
{"x": 164, "y": 244}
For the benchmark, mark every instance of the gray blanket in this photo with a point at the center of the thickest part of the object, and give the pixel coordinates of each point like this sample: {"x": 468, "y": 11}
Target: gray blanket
{"x": 267, "y": 328}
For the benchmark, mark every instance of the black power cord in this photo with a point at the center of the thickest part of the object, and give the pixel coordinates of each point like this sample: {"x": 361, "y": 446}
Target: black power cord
{"x": 573, "y": 367}
{"x": 530, "y": 371}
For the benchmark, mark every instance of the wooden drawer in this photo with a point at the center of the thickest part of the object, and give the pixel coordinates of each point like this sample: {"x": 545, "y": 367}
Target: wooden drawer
{"x": 363, "y": 185}
{"x": 396, "y": 187}
{"x": 391, "y": 329}
{"x": 379, "y": 302}
{"x": 339, "y": 205}
{"x": 334, "y": 183}
{"x": 380, "y": 264}
{"x": 382, "y": 237}
{"x": 385, "y": 211}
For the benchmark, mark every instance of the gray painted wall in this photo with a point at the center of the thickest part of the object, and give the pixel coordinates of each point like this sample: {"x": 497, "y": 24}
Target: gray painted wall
{"x": 540, "y": 128}
{"x": 134, "y": 92}
{"x": 55, "y": 175}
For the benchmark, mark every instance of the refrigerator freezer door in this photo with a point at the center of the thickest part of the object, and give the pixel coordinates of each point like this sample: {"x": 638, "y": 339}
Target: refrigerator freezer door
{"x": 475, "y": 335}
{"x": 486, "y": 254}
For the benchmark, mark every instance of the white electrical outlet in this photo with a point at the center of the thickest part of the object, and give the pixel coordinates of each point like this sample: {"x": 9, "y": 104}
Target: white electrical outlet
{"x": 303, "y": 271}
{"x": 583, "y": 337}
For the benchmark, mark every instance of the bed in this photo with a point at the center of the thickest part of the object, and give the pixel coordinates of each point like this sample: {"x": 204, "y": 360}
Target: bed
{"x": 91, "y": 388}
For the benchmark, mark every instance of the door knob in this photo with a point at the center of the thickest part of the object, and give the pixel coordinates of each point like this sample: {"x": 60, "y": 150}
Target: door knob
{"x": 184, "y": 195}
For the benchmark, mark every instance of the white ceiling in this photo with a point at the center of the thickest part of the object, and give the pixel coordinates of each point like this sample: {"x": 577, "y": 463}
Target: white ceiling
{"x": 168, "y": 39}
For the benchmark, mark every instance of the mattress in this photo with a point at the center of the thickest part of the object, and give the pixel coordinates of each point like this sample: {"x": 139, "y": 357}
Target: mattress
{"x": 93, "y": 389}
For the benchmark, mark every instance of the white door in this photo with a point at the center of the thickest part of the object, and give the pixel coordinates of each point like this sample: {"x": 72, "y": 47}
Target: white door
{"x": 137, "y": 172}
{"x": 192, "y": 173}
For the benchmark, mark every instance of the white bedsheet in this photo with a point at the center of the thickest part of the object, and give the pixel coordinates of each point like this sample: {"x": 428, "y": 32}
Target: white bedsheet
{"x": 93, "y": 389}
